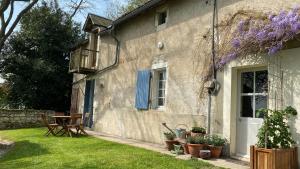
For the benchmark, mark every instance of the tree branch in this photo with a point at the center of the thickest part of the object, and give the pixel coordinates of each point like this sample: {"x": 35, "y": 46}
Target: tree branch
{"x": 14, "y": 24}
{"x": 4, "y": 5}
{"x": 76, "y": 8}
{"x": 10, "y": 14}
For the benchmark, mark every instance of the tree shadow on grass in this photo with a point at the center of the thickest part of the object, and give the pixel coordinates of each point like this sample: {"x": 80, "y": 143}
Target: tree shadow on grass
{"x": 23, "y": 149}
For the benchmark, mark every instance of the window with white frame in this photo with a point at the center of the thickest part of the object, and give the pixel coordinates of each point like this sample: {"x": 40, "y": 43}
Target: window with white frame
{"x": 159, "y": 88}
{"x": 253, "y": 92}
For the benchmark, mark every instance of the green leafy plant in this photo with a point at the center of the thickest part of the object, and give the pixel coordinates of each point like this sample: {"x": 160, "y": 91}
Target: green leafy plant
{"x": 197, "y": 140}
{"x": 198, "y": 130}
{"x": 169, "y": 135}
{"x": 216, "y": 140}
{"x": 275, "y": 132}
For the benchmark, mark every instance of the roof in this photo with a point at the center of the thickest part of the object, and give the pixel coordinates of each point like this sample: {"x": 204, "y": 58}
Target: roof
{"x": 95, "y": 20}
{"x": 148, "y": 5}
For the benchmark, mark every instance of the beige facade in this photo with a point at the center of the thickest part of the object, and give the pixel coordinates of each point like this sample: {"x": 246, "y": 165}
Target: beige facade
{"x": 184, "y": 55}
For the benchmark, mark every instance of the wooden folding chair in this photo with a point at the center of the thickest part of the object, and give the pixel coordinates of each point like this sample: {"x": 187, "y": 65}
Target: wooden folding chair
{"x": 76, "y": 123}
{"x": 51, "y": 127}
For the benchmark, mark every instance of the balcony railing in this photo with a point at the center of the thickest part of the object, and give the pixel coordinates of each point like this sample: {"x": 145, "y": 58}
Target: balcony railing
{"x": 83, "y": 61}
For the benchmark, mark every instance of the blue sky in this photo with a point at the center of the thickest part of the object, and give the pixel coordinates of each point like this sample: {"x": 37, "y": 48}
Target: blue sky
{"x": 98, "y": 7}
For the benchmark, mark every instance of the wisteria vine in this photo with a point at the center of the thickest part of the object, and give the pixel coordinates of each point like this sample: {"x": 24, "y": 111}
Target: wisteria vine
{"x": 265, "y": 34}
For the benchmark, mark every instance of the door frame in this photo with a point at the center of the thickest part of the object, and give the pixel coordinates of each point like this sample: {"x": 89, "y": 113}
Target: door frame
{"x": 239, "y": 72}
{"x": 89, "y": 101}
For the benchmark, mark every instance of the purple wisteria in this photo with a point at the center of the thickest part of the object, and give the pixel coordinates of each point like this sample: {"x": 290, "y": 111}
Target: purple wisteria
{"x": 267, "y": 34}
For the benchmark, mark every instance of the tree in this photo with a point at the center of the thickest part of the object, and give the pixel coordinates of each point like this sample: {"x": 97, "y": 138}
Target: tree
{"x": 115, "y": 9}
{"x": 8, "y": 6}
{"x": 3, "y": 94}
{"x": 35, "y": 63}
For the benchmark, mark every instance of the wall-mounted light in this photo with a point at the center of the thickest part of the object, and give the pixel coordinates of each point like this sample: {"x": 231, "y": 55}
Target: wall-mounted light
{"x": 160, "y": 45}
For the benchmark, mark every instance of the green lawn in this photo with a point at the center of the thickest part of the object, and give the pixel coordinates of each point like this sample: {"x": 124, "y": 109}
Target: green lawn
{"x": 34, "y": 151}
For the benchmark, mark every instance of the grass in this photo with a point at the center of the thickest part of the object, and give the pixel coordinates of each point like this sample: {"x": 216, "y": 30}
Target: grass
{"x": 34, "y": 151}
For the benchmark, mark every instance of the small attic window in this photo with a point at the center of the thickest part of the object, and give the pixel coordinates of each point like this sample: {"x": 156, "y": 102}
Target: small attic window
{"x": 162, "y": 17}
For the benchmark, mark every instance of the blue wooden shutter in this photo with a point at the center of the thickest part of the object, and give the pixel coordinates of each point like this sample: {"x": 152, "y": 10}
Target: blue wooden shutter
{"x": 142, "y": 89}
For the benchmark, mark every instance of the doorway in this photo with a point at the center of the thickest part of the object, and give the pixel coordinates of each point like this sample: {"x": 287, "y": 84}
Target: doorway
{"x": 252, "y": 96}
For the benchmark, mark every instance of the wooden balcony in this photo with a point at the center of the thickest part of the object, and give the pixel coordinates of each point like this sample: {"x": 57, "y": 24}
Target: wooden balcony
{"x": 83, "y": 61}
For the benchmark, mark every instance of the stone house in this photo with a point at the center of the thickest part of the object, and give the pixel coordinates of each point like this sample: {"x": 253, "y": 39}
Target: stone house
{"x": 148, "y": 67}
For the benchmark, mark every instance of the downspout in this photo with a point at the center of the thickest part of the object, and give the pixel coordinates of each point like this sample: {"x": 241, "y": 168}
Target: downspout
{"x": 213, "y": 87}
{"x": 116, "y": 61}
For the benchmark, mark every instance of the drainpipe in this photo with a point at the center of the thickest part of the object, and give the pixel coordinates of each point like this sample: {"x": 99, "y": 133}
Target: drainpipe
{"x": 213, "y": 86}
{"x": 116, "y": 61}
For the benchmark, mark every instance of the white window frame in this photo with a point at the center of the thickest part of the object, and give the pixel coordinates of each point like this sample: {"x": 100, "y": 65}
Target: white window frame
{"x": 253, "y": 94}
{"x": 156, "y": 69}
{"x": 158, "y": 12}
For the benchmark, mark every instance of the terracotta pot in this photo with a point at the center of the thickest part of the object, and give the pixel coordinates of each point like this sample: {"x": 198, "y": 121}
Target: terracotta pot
{"x": 197, "y": 134}
{"x": 194, "y": 149}
{"x": 215, "y": 151}
{"x": 170, "y": 144}
{"x": 205, "y": 154}
{"x": 185, "y": 148}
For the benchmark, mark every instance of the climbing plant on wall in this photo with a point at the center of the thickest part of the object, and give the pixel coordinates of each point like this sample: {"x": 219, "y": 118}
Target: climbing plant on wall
{"x": 257, "y": 32}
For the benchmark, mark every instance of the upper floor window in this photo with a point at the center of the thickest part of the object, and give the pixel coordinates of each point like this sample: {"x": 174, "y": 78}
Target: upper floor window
{"x": 161, "y": 19}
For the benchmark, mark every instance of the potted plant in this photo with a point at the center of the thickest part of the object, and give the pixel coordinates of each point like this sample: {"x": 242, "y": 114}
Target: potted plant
{"x": 275, "y": 146}
{"x": 170, "y": 140}
{"x": 198, "y": 131}
{"x": 195, "y": 144}
{"x": 216, "y": 144}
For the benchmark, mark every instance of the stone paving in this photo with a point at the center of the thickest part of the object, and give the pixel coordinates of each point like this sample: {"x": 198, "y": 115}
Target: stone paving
{"x": 5, "y": 146}
{"x": 226, "y": 163}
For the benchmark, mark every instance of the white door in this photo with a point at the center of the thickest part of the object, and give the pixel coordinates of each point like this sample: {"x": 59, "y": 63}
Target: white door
{"x": 252, "y": 95}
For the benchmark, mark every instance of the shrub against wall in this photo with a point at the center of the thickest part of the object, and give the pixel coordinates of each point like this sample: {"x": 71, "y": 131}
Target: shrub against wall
{"x": 12, "y": 119}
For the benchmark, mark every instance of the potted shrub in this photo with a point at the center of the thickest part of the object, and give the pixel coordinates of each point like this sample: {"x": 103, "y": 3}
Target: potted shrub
{"x": 195, "y": 144}
{"x": 198, "y": 131}
{"x": 216, "y": 144}
{"x": 170, "y": 140}
{"x": 275, "y": 147}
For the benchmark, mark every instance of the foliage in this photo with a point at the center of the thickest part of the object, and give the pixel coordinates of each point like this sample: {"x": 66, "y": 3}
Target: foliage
{"x": 115, "y": 9}
{"x": 260, "y": 33}
{"x": 275, "y": 130}
{"x": 3, "y": 95}
{"x": 169, "y": 135}
{"x": 198, "y": 130}
{"x": 216, "y": 140}
{"x": 197, "y": 140}
{"x": 34, "y": 61}
{"x": 34, "y": 150}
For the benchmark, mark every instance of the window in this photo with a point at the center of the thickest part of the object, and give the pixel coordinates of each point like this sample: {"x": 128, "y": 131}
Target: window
{"x": 161, "y": 88}
{"x": 253, "y": 93}
{"x": 151, "y": 88}
{"x": 162, "y": 17}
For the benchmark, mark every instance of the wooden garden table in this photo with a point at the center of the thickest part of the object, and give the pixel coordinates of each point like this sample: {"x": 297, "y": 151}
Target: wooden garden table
{"x": 62, "y": 121}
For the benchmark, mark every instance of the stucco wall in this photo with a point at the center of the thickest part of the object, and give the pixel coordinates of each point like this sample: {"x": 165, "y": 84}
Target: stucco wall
{"x": 186, "y": 52}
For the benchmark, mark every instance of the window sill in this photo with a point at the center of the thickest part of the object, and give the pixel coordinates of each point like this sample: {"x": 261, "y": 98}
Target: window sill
{"x": 161, "y": 27}
{"x": 160, "y": 109}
